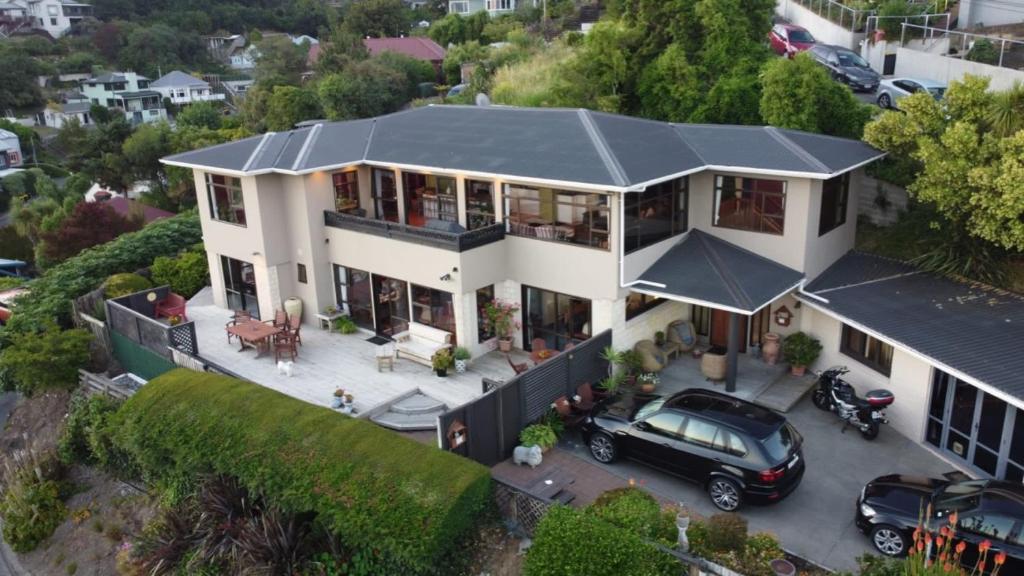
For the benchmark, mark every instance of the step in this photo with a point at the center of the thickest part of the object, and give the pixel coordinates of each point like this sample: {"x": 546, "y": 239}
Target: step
{"x": 407, "y": 422}
{"x": 418, "y": 404}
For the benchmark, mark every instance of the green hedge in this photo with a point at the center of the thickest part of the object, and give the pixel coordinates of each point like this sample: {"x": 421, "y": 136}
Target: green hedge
{"x": 51, "y": 294}
{"x": 388, "y": 498}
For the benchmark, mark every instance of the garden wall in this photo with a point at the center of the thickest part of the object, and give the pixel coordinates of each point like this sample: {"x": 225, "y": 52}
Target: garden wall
{"x": 944, "y": 69}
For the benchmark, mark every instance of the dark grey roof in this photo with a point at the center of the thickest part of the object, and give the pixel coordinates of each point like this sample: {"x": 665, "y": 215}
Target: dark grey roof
{"x": 549, "y": 144}
{"x": 75, "y": 107}
{"x": 710, "y": 270}
{"x": 972, "y": 328}
{"x": 108, "y": 77}
{"x": 177, "y": 78}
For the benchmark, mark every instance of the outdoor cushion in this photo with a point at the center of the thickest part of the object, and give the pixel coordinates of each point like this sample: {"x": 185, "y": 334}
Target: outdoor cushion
{"x": 685, "y": 332}
{"x": 420, "y": 342}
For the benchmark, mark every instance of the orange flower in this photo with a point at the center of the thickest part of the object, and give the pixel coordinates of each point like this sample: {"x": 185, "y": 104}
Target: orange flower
{"x": 920, "y": 546}
{"x": 984, "y": 546}
{"x": 927, "y": 537}
{"x": 960, "y": 547}
{"x": 947, "y": 567}
{"x": 938, "y": 541}
{"x": 944, "y": 531}
{"x": 1000, "y": 558}
{"x": 981, "y": 567}
{"x": 917, "y": 534}
{"x": 952, "y": 519}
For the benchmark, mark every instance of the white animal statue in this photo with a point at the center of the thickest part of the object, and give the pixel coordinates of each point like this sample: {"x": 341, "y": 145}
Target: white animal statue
{"x": 527, "y": 455}
{"x": 285, "y": 368}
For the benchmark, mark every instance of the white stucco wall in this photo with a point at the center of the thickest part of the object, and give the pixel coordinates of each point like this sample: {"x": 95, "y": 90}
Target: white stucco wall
{"x": 820, "y": 252}
{"x": 989, "y": 13}
{"x": 945, "y": 69}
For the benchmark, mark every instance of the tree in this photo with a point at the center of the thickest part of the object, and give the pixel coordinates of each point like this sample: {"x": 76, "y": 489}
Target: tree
{"x": 144, "y": 149}
{"x": 279, "y": 62}
{"x": 461, "y": 54}
{"x": 88, "y": 224}
{"x": 199, "y": 115}
{"x": 18, "y": 87}
{"x": 377, "y": 18}
{"x": 27, "y": 137}
{"x": 448, "y": 31}
{"x": 670, "y": 88}
{"x": 799, "y": 94}
{"x": 343, "y": 49}
{"x": 602, "y": 74}
{"x": 46, "y": 360}
{"x": 289, "y": 105}
{"x": 363, "y": 90}
{"x": 416, "y": 71}
{"x": 160, "y": 47}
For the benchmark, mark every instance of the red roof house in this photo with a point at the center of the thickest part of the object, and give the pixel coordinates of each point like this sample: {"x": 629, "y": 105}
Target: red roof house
{"x": 124, "y": 207}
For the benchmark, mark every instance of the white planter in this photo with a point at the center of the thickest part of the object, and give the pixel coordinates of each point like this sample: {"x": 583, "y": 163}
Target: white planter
{"x": 460, "y": 366}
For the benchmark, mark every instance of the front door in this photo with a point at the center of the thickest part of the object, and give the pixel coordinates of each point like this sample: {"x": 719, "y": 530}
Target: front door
{"x": 720, "y": 329}
{"x": 391, "y": 305}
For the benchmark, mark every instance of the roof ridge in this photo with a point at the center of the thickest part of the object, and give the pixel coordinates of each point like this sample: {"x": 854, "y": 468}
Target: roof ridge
{"x": 258, "y": 151}
{"x": 369, "y": 138}
{"x": 307, "y": 146}
{"x": 735, "y": 289}
{"x": 678, "y": 129}
{"x": 867, "y": 282}
{"x": 611, "y": 163}
{"x": 796, "y": 149}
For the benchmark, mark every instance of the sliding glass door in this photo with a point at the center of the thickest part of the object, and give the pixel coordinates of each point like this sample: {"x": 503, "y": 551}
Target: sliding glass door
{"x": 354, "y": 295}
{"x": 391, "y": 304}
{"x": 385, "y": 194}
{"x": 558, "y": 319}
{"x": 240, "y": 285}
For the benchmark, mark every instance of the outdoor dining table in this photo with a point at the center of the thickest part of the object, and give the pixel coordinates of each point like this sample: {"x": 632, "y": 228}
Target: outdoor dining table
{"x": 255, "y": 334}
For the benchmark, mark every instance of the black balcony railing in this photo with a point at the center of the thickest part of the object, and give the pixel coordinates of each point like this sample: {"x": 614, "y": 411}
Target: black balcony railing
{"x": 423, "y": 236}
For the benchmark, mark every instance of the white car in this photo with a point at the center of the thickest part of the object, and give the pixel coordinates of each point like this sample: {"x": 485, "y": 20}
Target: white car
{"x": 892, "y": 90}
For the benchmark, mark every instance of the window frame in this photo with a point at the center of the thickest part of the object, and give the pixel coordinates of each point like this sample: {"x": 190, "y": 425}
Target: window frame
{"x": 229, "y": 187}
{"x": 840, "y": 205}
{"x": 483, "y": 331}
{"x": 676, "y": 191}
{"x": 529, "y": 331}
{"x": 345, "y": 189}
{"x": 436, "y": 299}
{"x": 862, "y": 357}
{"x": 596, "y": 205}
{"x": 757, "y": 194}
{"x": 648, "y": 302}
{"x": 342, "y": 295}
{"x": 475, "y": 216}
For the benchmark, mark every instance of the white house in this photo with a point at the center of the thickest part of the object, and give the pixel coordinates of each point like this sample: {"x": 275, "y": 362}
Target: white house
{"x": 181, "y": 88}
{"x": 56, "y": 115}
{"x": 10, "y": 150}
{"x": 493, "y": 7}
{"x": 127, "y": 92}
{"x": 55, "y": 17}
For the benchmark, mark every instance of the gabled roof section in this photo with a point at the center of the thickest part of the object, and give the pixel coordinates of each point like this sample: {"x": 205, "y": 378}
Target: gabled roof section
{"x": 706, "y": 270}
{"x": 417, "y": 47}
{"x": 177, "y": 78}
{"x": 966, "y": 327}
{"x": 230, "y": 156}
{"x": 552, "y": 145}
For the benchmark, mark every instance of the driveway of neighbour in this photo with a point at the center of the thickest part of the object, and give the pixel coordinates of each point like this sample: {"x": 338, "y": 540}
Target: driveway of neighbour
{"x": 816, "y": 520}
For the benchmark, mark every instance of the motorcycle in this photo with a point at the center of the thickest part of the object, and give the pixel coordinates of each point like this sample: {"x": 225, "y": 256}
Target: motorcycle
{"x": 866, "y": 414}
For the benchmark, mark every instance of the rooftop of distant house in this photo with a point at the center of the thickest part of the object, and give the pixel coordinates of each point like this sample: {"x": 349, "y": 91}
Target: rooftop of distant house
{"x": 176, "y": 78}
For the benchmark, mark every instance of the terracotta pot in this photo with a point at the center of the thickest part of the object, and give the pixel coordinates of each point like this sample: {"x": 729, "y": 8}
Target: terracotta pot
{"x": 647, "y": 388}
{"x": 798, "y": 370}
{"x": 770, "y": 347}
{"x": 505, "y": 344}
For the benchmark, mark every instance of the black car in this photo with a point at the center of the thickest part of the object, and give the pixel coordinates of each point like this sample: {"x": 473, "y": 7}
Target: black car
{"x": 846, "y": 66}
{"x": 889, "y": 509}
{"x": 737, "y": 450}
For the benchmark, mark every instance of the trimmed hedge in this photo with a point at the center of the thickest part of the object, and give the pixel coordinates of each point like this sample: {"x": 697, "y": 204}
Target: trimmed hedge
{"x": 400, "y": 503}
{"x": 51, "y": 294}
{"x": 125, "y": 283}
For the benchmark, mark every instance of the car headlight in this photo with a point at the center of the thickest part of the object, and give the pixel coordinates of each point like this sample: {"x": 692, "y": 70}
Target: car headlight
{"x": 866, "y": 511}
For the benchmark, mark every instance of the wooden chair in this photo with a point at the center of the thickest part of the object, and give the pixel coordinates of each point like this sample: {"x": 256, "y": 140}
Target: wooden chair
{"x": 240, "y": 317}
{"x": 586, "y": 394}
{"x": 280, "y": 319}
{"x": 519, "y": 368}
{"x": 284, "y": 344}
{"x": 295, "y": 329}
{"x": 570, "y": 417}
{"x": 539, "y": 346}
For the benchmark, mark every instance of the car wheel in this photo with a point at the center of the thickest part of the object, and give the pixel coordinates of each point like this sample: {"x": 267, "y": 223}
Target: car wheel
{"x": 872, "y": 432}
{"x": 884, "y": 101}
{"x": 888, "y": 540}
{"x": 820, "y": 400}
{"x": 602, "y": 448}
{"x": 725, "y": 494}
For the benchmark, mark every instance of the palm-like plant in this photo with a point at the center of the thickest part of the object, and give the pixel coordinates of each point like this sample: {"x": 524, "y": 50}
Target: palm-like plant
{"x": 1006, "y": 111}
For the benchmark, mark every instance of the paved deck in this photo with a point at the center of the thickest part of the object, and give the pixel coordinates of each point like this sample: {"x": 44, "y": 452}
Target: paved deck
{"x": 331, "y": 360}
{"x": 753, "y": 376}
{"x": 590, "y": 481}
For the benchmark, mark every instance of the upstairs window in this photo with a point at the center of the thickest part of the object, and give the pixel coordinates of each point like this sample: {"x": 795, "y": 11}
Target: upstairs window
{"x": 655, "y": 214}
{"x": 479, "y": 204}
{"x": 346, "y": 192}
{"x": 835, "y": 197}
{"x": 559, "y": 215}
{"x": 226, "y": 202}
{"x": 752, "y": 204}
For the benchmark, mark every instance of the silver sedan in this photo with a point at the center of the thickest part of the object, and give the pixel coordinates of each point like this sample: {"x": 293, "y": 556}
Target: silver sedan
{"x": 893, "y": 90}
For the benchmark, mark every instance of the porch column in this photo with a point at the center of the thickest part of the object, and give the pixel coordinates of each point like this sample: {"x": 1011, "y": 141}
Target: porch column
{"x": 731, "y": 357}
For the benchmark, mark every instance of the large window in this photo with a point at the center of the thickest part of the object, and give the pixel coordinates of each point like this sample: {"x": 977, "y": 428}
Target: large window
{"x": 655, "y": 214}
{"x": 353, "y": 294}
{"x": 560, "y": 215}
{"x": 433, "y": 308}
{"x": 385, "y": 194}
{"x": 429, "y": 197}
{"x": 835, "y": 197}
{"x": 346, "y": 192}
{"x": 637, "y": 304}
{"x": 479, "y": 204}
{"x": 558, "y": 319}
{"x": 240, "y": 285}
{"x": 867, "y": 350}
{"x": 752, "y": 204}
{"x": 484, "y": 296}
{"x": 225, "y": 194}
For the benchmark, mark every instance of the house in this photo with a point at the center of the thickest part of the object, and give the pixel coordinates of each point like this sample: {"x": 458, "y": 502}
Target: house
{"x": 10, "y": 151}
{"x": 493, "y": 7}
{"x": 126, "y": 207}
{"x": 127, "y": 92}
{"x": 55, "y": 17}
{"x": 223, "y": 46}
{"x": 56, "y": 115}
{"x": 182, "y": 89}
{"x": 418, "y": 47}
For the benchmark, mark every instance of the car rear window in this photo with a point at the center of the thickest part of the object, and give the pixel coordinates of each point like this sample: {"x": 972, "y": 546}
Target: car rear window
{"x": 800, "y": 36}
{"x": 780, "y": 444}
{"x": 851, "y": 59}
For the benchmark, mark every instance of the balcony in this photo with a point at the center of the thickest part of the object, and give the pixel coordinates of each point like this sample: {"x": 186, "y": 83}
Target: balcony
{"x": 455, "y": 242}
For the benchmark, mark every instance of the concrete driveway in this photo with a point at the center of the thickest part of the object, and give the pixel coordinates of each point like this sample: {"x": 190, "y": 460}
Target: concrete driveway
{"x": 816, "y": 520}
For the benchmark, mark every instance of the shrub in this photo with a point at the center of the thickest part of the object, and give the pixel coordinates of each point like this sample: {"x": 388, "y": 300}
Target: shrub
{"x": 726, "y": 532}
{"x": 31, "y": 507}
{"x": 801, "y": 349}
{"x": 723, "y": 539}
{"x": 186, "y": 274}
{"x": 51, "y": 294}
{"x": 399, "y": 504}
{"x": 88, "y": 436}
{"x": 871, "y": 565}
{"x": 125, "y": 283}
{"x": 346, "y": 325}
{"x": 983, "y": 51}
{"x": 569, "y": 541}
{"x": 636, "y": 511}
{"x": 46, "y": 360}
{"x": 538, "y": 435}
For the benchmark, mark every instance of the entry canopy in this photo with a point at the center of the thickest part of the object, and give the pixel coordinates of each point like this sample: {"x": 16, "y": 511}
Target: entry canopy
{"x": 708, "y": 271}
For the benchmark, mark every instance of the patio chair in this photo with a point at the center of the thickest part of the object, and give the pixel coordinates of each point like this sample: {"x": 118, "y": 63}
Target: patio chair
{"x": 538, "y": 346}
{"x": 280, "y": 319}
{"x": 680, "y": 336}
{"x": 653, "y": 358}
{"x": 295, "y": 329}
{"x": 519, "y": 368}
{"x": 284, "y": 344}
{"x": 571, "y": 418}
{"x": 586, "y": 393}
{"x": 239, "y": 317}
{"x": 172, "y": 305}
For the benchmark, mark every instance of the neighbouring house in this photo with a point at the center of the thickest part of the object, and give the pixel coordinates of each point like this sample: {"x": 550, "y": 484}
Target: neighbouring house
{"x": 183, "y": 89}
{"x": 493, "y": 7}
{"x": 126, "y": 207}
{"x": 973, "y": 13}
{"x": 592, "y": 222}
{"x": 241, "y": 55}
{"x": 56, "y": 115}
{"x": 223, "y": 46}
{"x": 55, "y": 17}
{"x": 10, "y": 151}
{"x": 236, "y": 89}
{"x": 128, "y": 93}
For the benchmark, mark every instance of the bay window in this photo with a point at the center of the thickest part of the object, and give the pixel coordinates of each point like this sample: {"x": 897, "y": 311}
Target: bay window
{"x": 560, "y": 215}
{"x": 655, "y": 214}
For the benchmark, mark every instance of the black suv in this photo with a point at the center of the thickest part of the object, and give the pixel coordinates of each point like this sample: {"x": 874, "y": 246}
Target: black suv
{"x": 889, "y": 509}
{"x": 846, "y": 66}
{"x": 737, "y": 450}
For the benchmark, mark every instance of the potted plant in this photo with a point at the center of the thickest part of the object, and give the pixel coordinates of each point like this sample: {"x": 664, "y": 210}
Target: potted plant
{"x": 610, "y": 385}
{"x": 800, "y": 351}
{"x": 538, "y": 435}
{"x": 462, "y": 356}
{"x": 613, "y": 357}
{"x": 331, "y": 310}
{"x": 659, "y": 338}
{"x": 338, "y": 399}
{"x": 648, "y": 382}
{"x": 345, "y": 325}
{"x": 174, "y": 320}
{"x": 442, "y": 361}
{"x": 501, "y": 319}
{"x": 347, "y": 407}
{"x": 632, "y": 363}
